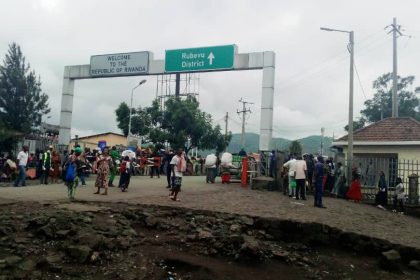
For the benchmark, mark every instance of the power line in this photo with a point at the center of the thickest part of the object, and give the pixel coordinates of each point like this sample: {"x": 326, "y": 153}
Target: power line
{"x": 360, "y": 83}
{"x": 244, "y": 111}
{"x": 332, "y": 61}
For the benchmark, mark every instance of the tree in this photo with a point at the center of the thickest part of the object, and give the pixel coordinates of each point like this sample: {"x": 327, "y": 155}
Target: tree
{"x": 123, "y": 115}
{"x": 380, "y": 106}
{"x": 360, "y": 123}
{"x": 183, "y": 121}
{"x": 295, "y": 148}
{"x": 7, "y": 138}
{"x": 182, "y": 124}
{"x": 22, "y": 102}
{"x": 140, "y": 119}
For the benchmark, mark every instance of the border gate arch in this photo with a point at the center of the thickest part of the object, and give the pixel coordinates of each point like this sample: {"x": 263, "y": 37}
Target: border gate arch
{"x": 264, "y": 61}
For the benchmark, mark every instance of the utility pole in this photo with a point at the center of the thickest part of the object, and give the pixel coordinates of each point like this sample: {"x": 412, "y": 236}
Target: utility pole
{"x": 226, "y": 129}
{"x": 177, "y": 84}
{"x": 350, "y": 135}
{"x": 395, "y": 29}
{"x": 243, "y": 112}
{"x": 322, "y": 141}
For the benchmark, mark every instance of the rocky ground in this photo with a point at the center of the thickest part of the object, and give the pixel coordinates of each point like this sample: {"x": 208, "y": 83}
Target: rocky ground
{"x": 108, "y": 240}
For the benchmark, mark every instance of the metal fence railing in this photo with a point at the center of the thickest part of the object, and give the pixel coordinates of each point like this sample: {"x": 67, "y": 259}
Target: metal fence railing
{"x": 369, "y": 168}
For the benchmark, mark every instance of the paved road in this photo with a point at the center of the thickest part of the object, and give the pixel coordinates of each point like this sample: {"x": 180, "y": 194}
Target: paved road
{"x": 196, "y": 194}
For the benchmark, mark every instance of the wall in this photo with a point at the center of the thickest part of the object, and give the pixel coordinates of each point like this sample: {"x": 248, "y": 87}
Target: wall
{"x": 404, "y": 152}
{"x": 92, "y": 142}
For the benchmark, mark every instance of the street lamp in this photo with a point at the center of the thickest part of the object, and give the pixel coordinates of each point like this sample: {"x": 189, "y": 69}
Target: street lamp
{"x": 131, "y": 105}
{"x": 350, "y": 135}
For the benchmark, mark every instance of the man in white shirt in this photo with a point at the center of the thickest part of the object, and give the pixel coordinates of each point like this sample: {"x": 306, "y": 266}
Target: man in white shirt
{"x": 291, "y": 165}
{"x": 22, "y": 160}
{"x": 300, "y": 176}
{"x": 178, "y": 165}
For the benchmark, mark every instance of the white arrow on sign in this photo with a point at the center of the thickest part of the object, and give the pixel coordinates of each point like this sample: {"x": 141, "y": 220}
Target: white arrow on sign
{"x": 210, "y": 58}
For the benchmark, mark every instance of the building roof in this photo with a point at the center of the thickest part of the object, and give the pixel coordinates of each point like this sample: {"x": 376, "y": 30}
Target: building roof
{"x": 96, "y": 135}
{"x": 402, "y": 129}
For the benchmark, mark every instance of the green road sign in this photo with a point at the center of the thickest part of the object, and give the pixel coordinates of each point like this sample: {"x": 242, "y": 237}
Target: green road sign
{"x": 200, "y": 59}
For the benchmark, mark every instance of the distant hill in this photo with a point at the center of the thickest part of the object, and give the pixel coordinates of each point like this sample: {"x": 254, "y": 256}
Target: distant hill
{"x": 310, "y": 144}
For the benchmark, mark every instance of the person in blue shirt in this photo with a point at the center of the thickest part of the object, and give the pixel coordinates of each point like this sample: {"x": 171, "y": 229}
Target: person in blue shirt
{"x": 319, "y": 175}
{"x": 273, "y": 164}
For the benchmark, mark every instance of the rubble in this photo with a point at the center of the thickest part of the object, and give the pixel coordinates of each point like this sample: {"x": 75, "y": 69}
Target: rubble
{"x": 124, "y": 243}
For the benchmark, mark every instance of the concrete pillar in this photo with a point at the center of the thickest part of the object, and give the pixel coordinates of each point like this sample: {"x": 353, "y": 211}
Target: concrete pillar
{"x": 267, "y": 98}
{"x": 413, "y": 189}
{"x": 66, "y": 108}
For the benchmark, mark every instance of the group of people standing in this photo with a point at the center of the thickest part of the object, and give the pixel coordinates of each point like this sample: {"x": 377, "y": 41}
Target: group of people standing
{"x": 47, "y": 166}
{"x": 302, "y": 174}
{"x": 109, "y": 162}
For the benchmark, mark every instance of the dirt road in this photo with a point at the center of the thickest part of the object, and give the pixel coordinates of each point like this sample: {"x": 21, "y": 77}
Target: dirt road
{"x": 196, "y": 194}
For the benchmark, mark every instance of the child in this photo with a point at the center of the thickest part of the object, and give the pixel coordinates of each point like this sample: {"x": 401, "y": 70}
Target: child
{"x": 124, "y": 174}
{"x": 399, "y": 196}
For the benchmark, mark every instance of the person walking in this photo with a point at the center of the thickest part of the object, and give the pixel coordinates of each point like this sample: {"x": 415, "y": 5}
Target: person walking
{"x": 156, "y": 165}
{"x": 300, "y": 177}
{"x": 125, "y": 174}
{"x": 339, "y": 181}
{"x": 273, "y": 164}
{"x": 399, "y": 196}
{"x": 210, "y": 165}
{"x": 310, "y": 165}
{"x": 56, "y": 162}
{"x": 291, "y": 166}
{"x": 355, "y": 191}
{"x": 168, "y": 158}
{"x": 319, "y": 177}
{"x": 329, "y": 184}
{"x": 381, "y": 199}
{"x": 178, "y": 166}
{"x": 104, "y": 163}
{"x": 81, "y": 164}
{"x": 115, "y": 156}
{"x": 22, "y": 161}
{"x": 46, "y": 165}
{"x": 72, "y": 178}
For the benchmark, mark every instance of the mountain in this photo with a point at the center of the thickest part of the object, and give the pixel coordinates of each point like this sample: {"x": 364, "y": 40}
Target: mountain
{"x": 310, "y": 144}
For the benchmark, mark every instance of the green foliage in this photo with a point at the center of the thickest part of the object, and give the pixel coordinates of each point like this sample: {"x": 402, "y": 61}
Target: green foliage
{"x": 8, "y": 138}
{"x": 123, "y": 113}
{"x": 380, "y": 106}
{"x": 22, "y": 102}
{"x": 295, "y": 148}
{"x": 181, "y": 120}
{"x": 360, "y": 123}
{"x": 140, "y": 119}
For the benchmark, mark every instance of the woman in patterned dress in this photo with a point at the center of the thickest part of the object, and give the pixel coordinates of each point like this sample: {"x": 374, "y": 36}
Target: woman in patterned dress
{"x": 56, "y": 163}
{"x": 104, "y": 163}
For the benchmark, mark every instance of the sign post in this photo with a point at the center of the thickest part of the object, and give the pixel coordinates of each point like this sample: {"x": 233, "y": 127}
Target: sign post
{"x": 120, "y": 64}
{"x": 200, "y": 59}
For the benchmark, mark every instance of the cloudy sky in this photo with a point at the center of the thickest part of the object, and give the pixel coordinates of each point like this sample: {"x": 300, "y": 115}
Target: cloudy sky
{"x": 311, "y": 82}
